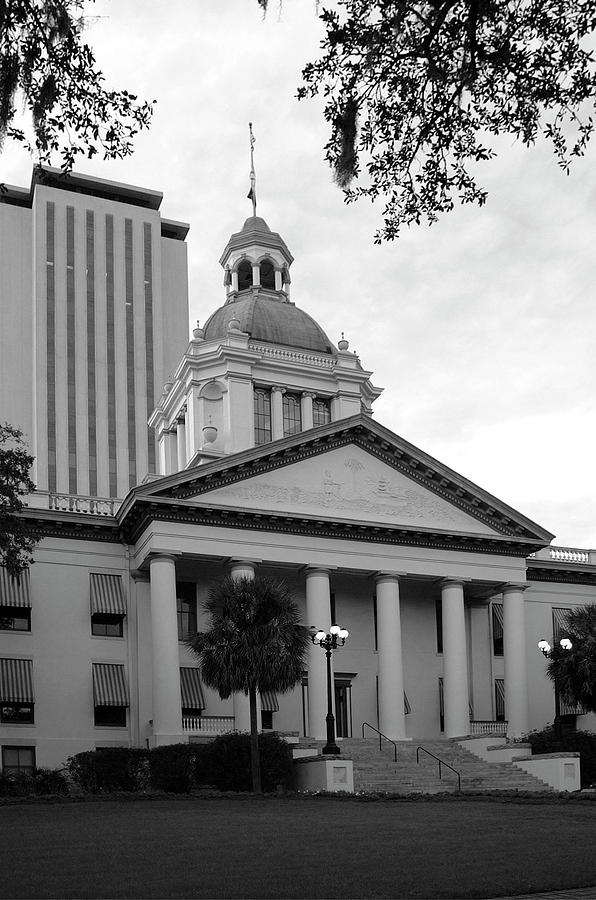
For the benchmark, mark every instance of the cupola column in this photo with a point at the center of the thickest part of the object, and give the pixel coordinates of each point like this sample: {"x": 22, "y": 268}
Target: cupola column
{"x": 306, "y": 409}
{"x": 391, "y": 677}
{"x": 515, "y": 660}
{"x": 277, "y": 412}
{"x": 256, "y": 275}
{"x": 278, "y": 280}
{"x": 181, "y": 441}
{"x": 235, "y": 280}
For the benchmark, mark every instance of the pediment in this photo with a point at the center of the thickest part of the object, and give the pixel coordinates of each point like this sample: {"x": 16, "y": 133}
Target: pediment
{"x": 346, "y": 484}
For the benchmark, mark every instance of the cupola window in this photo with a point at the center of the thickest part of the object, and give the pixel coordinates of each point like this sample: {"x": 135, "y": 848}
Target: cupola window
{"x": 262, "y": 416}
{"x": 292, "y": 416}
{"x": 267, "y": 274}
{"x": 244, "y": 275}
{"x": 321, "y": 411}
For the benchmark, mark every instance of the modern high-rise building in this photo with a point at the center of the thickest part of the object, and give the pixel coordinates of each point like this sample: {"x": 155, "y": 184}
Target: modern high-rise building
{"x": 93, "y": 317}
{"x": 265, "y": 458}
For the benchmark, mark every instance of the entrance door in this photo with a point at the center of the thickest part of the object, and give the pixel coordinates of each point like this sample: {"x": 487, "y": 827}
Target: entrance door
{"x": 343, "y": 710}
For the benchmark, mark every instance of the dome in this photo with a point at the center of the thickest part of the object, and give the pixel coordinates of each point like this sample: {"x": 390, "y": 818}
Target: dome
{"x": 256, "y": 223}
{"x": 269, "y": 320}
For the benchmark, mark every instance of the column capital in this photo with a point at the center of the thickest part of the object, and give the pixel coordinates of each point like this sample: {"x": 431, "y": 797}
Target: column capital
{"x": 277, "y": 389}
{"x": 163, "y": 555}
{"x": 310, "y": 394}
{"x": 453, "y": 582}
{"x": 318, "y": 570}
{"x": 388, "y": 576}
{"x": 514, "y": 586}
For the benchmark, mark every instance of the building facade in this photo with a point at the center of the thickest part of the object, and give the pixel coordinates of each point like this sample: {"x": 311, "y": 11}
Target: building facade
{"x": 269, "y": 461}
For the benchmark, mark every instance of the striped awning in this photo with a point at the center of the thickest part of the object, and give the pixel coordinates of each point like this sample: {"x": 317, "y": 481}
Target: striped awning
{"x": 191, "y": 688}
{"x": 107, "y": 595}
{"x": 269, "y": 701}
{"x": 500, "y": 698}
{"x": 109, "y": 685}
{"x": 16, "y": 681}
{"x": 497, "y": 620}
{"x": 560, "y": 629}
{"x": 407, "y": 707}
{"x": 14, "y": 591}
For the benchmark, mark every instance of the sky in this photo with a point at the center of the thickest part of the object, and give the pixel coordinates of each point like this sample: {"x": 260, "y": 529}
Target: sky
{"x": 481, "y": 329}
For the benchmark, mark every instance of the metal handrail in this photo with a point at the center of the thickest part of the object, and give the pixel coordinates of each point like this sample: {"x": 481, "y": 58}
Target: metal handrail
{"x": 381, "y": 735}
{"x": 441, "y": 762}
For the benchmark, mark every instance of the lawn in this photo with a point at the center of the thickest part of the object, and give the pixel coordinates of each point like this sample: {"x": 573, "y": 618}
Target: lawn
{"x": 244, "y": 846}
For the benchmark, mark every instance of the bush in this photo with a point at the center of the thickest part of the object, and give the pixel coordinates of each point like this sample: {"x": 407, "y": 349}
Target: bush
{"x": 109, "y": 769}
{"x": 172, "y": 768}
{"x": 50, "y": 781}
{"x": 582, "y": 742}
{"x": 17, "y": 785}
{"x": 225, "y": 763}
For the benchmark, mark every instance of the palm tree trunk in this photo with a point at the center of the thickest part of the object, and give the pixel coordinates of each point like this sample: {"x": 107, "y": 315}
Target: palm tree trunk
{"x": 255, "y": 761}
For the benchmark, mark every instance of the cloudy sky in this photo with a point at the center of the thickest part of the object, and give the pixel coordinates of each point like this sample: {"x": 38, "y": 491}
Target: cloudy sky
{"x": 481, "y": 329}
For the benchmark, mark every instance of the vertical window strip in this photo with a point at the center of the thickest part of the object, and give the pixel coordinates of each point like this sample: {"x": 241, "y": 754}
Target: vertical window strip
{"x": 262, "y": 416}
{"x": 51, "y": 344}
{"x": 149, "y": 360}
{"x": 111, "y": 358}
{"x": 91, "y": 387}
{"x": 130, "y": 355}
{"x": 71, "y": 382}
{"x": 292, "y": 414}
{"x": 321, "y": 412}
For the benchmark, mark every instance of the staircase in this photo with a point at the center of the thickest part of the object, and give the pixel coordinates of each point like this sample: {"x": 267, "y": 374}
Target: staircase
{"x": 377, "y": 771}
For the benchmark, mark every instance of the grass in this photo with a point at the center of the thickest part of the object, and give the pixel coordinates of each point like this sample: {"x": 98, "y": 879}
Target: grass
{"x": 245, "y": 846}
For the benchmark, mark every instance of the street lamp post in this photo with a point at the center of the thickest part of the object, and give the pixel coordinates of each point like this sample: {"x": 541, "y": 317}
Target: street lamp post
{"x": 550, "y": 652}
{"x": 330, "y": 641}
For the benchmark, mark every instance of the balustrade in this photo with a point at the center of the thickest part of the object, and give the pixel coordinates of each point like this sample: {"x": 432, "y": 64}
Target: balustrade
{"x": 207, "y": 724}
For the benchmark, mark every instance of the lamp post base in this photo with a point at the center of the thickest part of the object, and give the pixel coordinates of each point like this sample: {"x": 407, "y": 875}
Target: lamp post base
{"x": 331, "y": 747}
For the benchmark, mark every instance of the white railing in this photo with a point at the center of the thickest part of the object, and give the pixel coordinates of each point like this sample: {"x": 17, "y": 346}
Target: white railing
{"x": 295, "y": 356}
{"x": 566, "y": 554}
{"x": 481, "y": 726}
{"x": 207, "y": 724}
{"x": 93, "y": 506}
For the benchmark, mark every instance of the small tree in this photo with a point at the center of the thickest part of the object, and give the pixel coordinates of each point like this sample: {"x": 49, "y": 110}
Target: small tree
{"x": 16, "y": 545}
{"x": 574, "y": 671}
{"x": 255, "y": 643}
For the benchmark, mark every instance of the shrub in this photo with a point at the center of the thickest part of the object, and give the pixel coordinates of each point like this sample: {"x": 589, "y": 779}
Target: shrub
{"x": 109, "y": 769}
{"x": 17, "y": 785}
{"x": 225, "y": 763}
{"x": 582, "y": 742}
{"x": 172, "y": 768}
{"x": 50, "y": 781}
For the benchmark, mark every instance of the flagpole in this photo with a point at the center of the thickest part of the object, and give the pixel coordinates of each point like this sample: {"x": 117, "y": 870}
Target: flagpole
{"x": 252, "y": 194}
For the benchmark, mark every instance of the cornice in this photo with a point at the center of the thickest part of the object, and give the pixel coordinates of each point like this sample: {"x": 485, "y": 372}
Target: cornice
{"x": 147, "y": 510}
{"x": 43, "y": 523}
{"x": 556, "y": 573}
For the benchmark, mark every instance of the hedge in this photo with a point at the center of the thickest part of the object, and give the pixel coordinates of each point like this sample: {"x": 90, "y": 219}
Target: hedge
{"x": 582, "y": 742}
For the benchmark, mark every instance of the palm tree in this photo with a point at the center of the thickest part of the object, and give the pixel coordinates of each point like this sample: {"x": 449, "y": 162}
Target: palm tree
{"x": 255, "y": 643}
{"x": 574, "y": 670}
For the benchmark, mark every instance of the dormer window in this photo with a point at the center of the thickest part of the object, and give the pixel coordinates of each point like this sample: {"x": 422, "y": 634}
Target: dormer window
{"x": 267, "y": 274}
{"x": 244, "y": 275}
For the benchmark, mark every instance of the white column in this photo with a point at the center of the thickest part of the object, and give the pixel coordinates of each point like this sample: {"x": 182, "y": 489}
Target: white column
{"x": 277, "y": 412}
{"x": 242, "y": 568}
{"x": 514, "y": 655}
{"x": 306, "y": 409}
{"x": 167, "y": 704}
{"x": 318, "y": 614}
{"x": 391, "y": 678}
{"x": 455, "y": 660}
{"x": 181, "y": 441}
{"x": 256, "y": 275}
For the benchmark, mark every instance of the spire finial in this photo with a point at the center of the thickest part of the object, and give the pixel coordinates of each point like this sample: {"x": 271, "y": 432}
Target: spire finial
{"x": 252, "y": 194}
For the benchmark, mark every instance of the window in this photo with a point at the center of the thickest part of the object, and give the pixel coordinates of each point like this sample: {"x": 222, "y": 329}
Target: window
{"x": 113, "y": 716}
{"x": 14, "y": 618}
{"x": 321, "y": 411}
{"x": 292, "y": 414}
{"x": 107, "y": 625}
{"x": 18, "y": 760}
{"x": 375, "y": 622}
{"x": 186, "y": 609}
{"x": 332, "y": 609}
{"x": 266, "y": 720}
{"x": 262, "y": 416}
{"x": 497, "y": 623}
{"x": 244, "y": 275}
{"x": 441, "y": 705}
{"x": 499, "y": 699}
{"x": 269, "y": 705}
{"x": 267, "y": 274}
{"x": 16, "y": 713}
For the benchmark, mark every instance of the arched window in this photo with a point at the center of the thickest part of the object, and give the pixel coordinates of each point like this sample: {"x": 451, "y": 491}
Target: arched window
{"x": 267, "y": 274}
{"x": 244, "y": 275}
